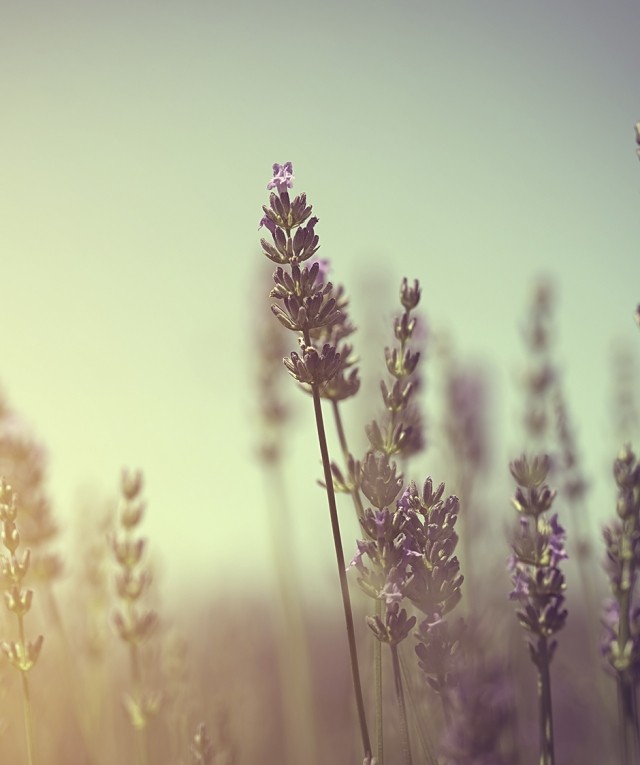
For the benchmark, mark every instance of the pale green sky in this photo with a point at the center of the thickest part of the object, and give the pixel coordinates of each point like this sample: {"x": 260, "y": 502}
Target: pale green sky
{"x": 471, "y": 144}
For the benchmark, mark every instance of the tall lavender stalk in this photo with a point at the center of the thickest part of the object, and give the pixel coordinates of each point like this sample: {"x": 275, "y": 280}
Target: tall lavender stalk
{"x": 538, "y": 549}
{"x": 398, "y": 431}
{"x": 307, "y": 304}
{"x": 621, "y": 645}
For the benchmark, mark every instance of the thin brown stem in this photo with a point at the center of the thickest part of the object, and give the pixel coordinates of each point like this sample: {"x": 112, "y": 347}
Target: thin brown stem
{"x": 377, "y": 647}
{"x": 344, "y": 587}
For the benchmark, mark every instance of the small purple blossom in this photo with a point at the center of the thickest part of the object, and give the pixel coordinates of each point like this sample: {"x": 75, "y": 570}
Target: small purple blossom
{"x": 404, "y": 504}
{"x": 520, "y": 580}
{"x": 282, "y": 177}
{"x": 555, "y": 542}
{"x": 392, "y": 592}
{"x": 268, "y": 224}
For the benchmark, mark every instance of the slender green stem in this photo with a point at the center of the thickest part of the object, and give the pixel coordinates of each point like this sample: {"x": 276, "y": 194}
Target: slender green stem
{"x": 28, "y": 718}
{"x": 344, "y": 587}
{"x": 404, "y": 727}
{"x": 547, "y": 755}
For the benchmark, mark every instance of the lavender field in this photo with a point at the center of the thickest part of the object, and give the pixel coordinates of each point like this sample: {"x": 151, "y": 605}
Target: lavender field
{"x": 320, "y": 384}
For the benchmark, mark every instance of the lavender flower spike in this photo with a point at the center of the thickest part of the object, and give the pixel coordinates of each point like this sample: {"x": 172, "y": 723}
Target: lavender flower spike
{"x": 538, "y": 582}
{"x": 621, "y": 646}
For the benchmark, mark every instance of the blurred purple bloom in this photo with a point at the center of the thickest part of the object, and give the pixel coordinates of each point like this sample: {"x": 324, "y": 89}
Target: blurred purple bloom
{"x": 363, "y": 549}
{"x": 555, "y": 542}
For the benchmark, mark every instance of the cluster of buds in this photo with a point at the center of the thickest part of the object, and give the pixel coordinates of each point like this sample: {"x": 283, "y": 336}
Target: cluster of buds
{"x": 308, "y": 304}
{"x": 621, "y": 644}
{"x": 24, "y": 459}
{"x": 133, "y": 623}
{"x": 537, "y": 551}
{"x": 387, "y": 548}
{"x": 410, "y": 552}
{"x": 400, "y": 429}
{"x": 435, "y": 587}
{"x": 23, "y": 654}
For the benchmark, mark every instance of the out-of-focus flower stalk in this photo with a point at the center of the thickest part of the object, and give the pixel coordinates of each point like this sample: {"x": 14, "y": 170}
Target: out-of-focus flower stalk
{"x": 538, "y": 582}
{"x": 292, "y": 647}
{"x": 621, "y": 645}
{"x": 21, "y": 653}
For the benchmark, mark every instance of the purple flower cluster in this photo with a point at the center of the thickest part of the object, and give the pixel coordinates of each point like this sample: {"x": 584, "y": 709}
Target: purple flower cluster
{"x": 400, "y": 428}
{"x": 409, "y": 551}
{"x": 309, "y": 303}
{"x": 621, "y": 643}
{"x": 538, "y": 549}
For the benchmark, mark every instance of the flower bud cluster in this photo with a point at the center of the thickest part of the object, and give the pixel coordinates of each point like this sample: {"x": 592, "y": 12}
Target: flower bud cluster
{"x": 132, "y": 579}
{"x": 387, "y": 549}
{"x": 409, "y": 550}
{"x": 23, "y": 654}
{"x": 435, "y": 586}
{"x": 307, "y": 301}
{"x": 621, "y": 643}
{"x": 134, "y": 623}
{"x": 24, "y": 459}
{"x": 537, "y": 551}
{"x": 399, "y": 430}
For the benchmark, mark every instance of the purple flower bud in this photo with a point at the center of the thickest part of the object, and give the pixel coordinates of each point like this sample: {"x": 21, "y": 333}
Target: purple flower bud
{"x": 282, "y": 177}
{"x": 267, "y": 223}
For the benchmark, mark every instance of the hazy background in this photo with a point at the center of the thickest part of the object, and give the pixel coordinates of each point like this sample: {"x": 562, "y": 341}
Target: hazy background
{"x": 471, "y": 144}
